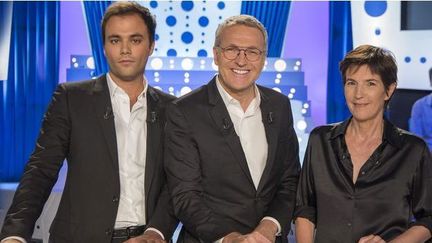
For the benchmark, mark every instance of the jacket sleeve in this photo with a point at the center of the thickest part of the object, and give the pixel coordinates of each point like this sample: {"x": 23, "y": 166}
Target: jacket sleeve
{"x": 182, "y": 165}
{"x": 282, "y": 206}
{"x": 41, "y": 171}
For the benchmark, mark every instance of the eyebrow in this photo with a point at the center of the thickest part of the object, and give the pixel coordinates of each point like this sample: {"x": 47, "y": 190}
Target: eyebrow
{"x": 131, "y": 36}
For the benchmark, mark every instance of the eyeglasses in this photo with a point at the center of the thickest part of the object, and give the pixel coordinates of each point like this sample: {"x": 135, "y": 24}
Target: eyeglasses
{"x": 231, "y": 53}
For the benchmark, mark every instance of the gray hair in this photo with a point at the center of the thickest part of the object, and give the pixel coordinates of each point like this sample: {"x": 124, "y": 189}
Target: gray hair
{"x": 243, "y": 19}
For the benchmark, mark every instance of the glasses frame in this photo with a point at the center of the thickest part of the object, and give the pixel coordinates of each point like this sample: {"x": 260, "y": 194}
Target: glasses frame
{"x": 239, "y": 50}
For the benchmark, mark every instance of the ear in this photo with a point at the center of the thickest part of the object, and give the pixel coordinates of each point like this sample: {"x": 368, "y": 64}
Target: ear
{"x": 152, "y": 48}
{"x": 390, "y": 91}
{"x": 215, "y": 56}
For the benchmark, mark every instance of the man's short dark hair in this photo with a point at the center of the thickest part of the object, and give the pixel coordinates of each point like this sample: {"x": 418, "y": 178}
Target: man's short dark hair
{"x": 128, "y": 8}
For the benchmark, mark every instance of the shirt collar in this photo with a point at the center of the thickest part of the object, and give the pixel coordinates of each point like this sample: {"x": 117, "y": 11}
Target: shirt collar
{"x": 391, "y": 133}
{"x": 114, "y": 89}
{"x": 228, "y": 99}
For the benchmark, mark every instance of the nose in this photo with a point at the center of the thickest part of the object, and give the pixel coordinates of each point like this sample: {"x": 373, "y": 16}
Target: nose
{"x": 241, "y": 58}
{"x": 359, "y": 91}
{"x": 125, "y": 48}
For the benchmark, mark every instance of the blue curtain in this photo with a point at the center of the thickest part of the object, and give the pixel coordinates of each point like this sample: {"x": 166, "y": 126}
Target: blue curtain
{"x": 274, "y": 16}
{"x": 94, "y": 11}
{"x": 32, "y": 78}
{"x": 340, "y": 42}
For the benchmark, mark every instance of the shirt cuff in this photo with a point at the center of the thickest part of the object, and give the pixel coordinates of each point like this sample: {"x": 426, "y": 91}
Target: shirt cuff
{"x": 278, "y": 233}
{"x": 20, "y": 239}
{"x": 220, "y": 240}
{"x": 155, "y": 230}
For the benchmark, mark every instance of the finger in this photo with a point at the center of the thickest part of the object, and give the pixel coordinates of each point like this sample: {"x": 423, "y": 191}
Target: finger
{"x": 365, "y": 239}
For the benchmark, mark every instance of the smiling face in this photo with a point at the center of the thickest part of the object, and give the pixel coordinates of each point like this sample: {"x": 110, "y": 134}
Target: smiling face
{"x": 127, "y": 47}
{"x": 238, "y": 76}
{"x": 365, "y": 93}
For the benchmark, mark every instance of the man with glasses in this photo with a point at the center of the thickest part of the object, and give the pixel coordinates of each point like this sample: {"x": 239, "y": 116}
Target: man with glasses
{"x": 231, "y": 153}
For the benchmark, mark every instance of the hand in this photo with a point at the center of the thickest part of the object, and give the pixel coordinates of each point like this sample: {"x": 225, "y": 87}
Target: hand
{"x": 149, "y": 236}
{"x": 266, "y": 229}
{"x": 11, "y": 241}
{"x": 256, "y": 237}
{"x": 233, "y": 237}
{"x": 371, "y": 239}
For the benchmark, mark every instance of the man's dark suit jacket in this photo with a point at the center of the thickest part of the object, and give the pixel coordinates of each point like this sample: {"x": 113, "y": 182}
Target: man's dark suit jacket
{"x": 79, "y": 126}
{"x": 208, "y": 177}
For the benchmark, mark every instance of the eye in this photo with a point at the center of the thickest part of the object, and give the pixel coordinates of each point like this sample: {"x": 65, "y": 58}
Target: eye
{"x": 371, "y": 83}
{"x": 136, "y": 40}
{"x": 114, "y": 41}
{"x": 253, "y": 52}
{"x": 350, "y": 82}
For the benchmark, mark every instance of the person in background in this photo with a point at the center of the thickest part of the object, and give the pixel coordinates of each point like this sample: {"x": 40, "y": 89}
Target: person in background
{"x": 365, "y": 180}
{"x": 110, "y": 130}
{"x": 421, "y": 117}
{"x": 231, "y": 153}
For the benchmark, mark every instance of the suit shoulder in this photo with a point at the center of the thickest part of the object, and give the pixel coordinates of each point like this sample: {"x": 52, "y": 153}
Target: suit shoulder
{"x": 194, "y": 97}
{"x": 162, "y": 95}
{"x": 77, "y": 86}
{"x": 273, "y": 94}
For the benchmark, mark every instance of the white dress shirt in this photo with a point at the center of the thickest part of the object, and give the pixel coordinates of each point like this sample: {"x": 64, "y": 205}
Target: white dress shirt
{"x": 131, "y": 134}
{"x": 249, "y": 127}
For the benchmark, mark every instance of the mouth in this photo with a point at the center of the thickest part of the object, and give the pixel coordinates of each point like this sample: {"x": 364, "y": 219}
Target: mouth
{"x": 240, "y": 71}
{"x": 126, "y": 62}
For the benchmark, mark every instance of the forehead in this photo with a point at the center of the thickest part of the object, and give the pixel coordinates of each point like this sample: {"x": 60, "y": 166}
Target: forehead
{"x": 361, "y": 72}
{"x": 125, "y": 22}
{"x": 242, "y": 35}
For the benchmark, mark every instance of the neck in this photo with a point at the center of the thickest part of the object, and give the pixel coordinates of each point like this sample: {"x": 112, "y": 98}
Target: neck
{"x": 133, "y": 87}
{"x": 365, "y": 130}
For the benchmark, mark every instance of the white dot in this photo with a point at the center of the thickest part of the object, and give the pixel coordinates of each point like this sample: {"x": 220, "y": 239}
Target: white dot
{"x": 280, "y": 65}
{"x": 156, "y": 80}
{"x": 186, "y": 75}
{"x": 279, "y": 76}
{"x": 186, "y": 80}
{"x": 171, "y": 61}
{"x": 202, "y": 62}
{"x": 305, "y": 105}
{"x": 303, "y": 111}
{"x": 277, "y": 89}
{"x": 187, "y": 64}
{"x": 202, "y": 66}
{"x": 298, "y": 63}
{"x": 74, "y": 59}
{"x": 156, "y": 74}
{"x": 292, "y": 90}
{"x": 301, "y": 125}
{"x": 185, "y": 90}
{"x": 75, "y": 65}
{"x": 171, "y": 66}
{"x": 277, "y": 81}
{"x": 156, "y": 63}
{"x": 171, "y": 89}
{"x": 90, "y": 63}
{"x": 290, "y": 96}
{"x": 296, "y": 68}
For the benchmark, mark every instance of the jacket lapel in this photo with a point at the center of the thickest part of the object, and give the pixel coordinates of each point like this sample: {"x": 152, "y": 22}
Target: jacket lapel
{"x": 222, "y": 120}
{"x": 270, "y": 120}
{"x": 154, "y": 130}
{"x": 105, "y": 116}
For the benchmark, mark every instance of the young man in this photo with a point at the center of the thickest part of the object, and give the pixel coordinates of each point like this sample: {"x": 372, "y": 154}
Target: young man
{"x": 231, "y": 150}
{"x": 110, "y": 131}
